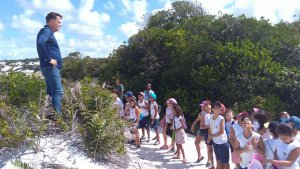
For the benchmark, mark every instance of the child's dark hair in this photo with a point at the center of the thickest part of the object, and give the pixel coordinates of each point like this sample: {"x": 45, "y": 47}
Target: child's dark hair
{"x": 132, "y": 100}
{"x": 262, "y": 117}
{"x": 178, "y": 111}
{"x": 285, "y": 129}
{"x": 218, "y": 104}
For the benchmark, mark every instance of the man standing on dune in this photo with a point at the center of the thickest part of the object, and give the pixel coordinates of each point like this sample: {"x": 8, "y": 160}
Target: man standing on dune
{"x": 50, "y": 59}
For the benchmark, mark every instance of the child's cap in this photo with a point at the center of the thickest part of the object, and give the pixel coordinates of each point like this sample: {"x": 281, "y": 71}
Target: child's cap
{"x": 242, "y": 115}
{"x": 128, "y": 94}
{"x": 153, "y": 95}
{"x": 296, "y": 121}
{"x": 172, "y": 101}
{"x": 255, "y": 110}
{"x": 205, "y": 102}
{"x": 142, "y": 94}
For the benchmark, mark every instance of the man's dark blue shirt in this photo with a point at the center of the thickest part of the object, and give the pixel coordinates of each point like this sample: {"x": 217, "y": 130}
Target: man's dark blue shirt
{"x": 47, "y": 47}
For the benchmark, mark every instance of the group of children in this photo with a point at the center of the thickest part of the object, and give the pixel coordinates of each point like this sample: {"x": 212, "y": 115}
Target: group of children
{"x": 250, "y": 140}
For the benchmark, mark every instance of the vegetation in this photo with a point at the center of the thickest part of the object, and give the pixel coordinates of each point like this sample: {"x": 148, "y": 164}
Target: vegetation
{"x": 191, "y": 56}
{"x": 87, "y": 109}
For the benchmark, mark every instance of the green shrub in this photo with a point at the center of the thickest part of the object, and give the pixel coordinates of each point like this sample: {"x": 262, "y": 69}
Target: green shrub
{"x": 100, "y": 126}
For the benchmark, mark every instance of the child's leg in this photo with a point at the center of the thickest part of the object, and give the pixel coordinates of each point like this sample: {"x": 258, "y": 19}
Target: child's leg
{"x": 157, "y": 134}
{"x": 178, "y": 150}
{"x": 183, "y": 154}
{"x": 197, "y": 144}
{"x": 226, "y": 166}
{"x": 137, "y": 138}
{"x": 210, "y": 154}
{"x": 165, "y": 137}
{"x": 143, "y": 132}
{"x": 148, "y": 132}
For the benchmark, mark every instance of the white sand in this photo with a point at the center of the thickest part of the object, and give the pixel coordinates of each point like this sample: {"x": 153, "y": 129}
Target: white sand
{"x": 68, "y": 151}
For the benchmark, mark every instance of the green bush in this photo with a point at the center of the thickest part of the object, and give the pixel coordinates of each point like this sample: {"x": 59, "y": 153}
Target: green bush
{"x": 20, "y": 97}
{"x": 100, "y": 126}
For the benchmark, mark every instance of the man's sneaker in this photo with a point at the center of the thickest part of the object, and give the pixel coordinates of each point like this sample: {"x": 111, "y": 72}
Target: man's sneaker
{"x": 148, "y": 140}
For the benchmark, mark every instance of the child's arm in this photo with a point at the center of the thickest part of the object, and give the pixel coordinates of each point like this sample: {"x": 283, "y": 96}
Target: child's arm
{"x": 202, "y": 125}
{"x": 147, "y": 107}
{"x": 293, "y": 156}
{"x": 232, "y": 137}
{"x": 222, "y": 130}
{"x": 137, "y": 113}
{"x": 195, "y": 122}
{"x": 259, "y": 147}
{"x": 181, "y": 121}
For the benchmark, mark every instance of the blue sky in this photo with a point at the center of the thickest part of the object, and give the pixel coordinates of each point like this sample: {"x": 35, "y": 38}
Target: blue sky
{"x": 96, "y": 27}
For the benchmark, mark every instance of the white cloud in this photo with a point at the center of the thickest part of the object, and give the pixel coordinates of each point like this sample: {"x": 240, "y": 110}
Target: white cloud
{"x": 24, "y": 23}
{"x": 136, "y": 9}
{"x": 129, "y": 28}
{"x": 1, "y": 27}
{"x": 64, "y": 7}
{"x": 109, "y": 5}
{"x": 93, "y": 47}
{"x": 274, "y": 10}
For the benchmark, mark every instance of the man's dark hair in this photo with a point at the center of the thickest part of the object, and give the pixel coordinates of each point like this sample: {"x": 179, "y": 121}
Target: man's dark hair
{"x": 52, "y": 15}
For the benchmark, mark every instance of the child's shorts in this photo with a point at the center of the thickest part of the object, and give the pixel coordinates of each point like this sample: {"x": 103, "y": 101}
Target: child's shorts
{"x": 224, "y": 148}
{"x": 155, "y": 124}
{"x": 145, "y": 122}
{"x": 208, "y": 142}
{"x": 201, "y": 132}
{"x": 169, "y": 131}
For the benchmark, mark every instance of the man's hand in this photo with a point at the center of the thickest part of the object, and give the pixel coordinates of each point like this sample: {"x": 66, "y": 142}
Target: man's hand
{"x": 53, "y": 62}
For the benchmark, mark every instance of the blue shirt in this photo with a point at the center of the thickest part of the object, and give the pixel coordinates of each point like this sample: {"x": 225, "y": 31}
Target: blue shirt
{"x": 47, "y": 47}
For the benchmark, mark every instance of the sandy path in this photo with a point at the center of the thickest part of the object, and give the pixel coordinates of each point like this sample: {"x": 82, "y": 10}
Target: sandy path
{"x": 150, "y": 156}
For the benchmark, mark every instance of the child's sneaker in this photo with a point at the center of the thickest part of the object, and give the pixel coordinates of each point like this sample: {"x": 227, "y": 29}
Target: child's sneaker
{"x": 208, "y": 164}
{"x": 157, "y": 142}
{"x": 142, "y": 138}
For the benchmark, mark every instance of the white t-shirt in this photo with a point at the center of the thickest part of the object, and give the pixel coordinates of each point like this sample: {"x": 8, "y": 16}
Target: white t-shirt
{"x": 152, "y": 110}
{"x": 247, "y": 156}
{"x": 215, "y": 128}
{"x": 270, "y": 147}
{"x": 132, "y": 115}
{"x": 283, "y": 151}
{"x": 169, "y": 115}
{"x": 177, "y": 122}
{"x": 119, "y": 105}
{"x": 267, "y": 135}
{"x": 207, "y": 117}
{"x": 144, "y": 111}
{"x": 238, "y": 129}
